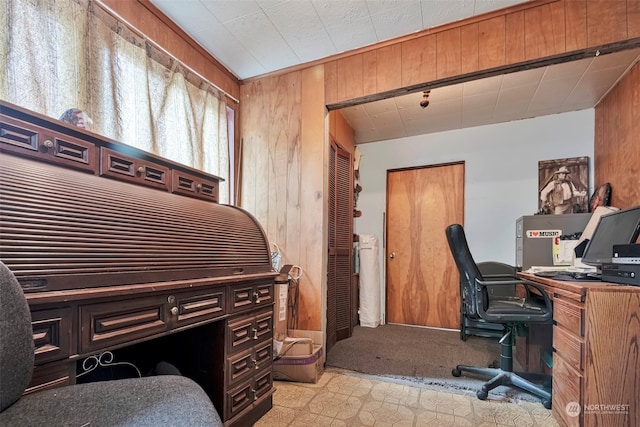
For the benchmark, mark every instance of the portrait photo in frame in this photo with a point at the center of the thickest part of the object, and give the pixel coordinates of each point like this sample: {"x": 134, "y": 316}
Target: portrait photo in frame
{"x": 563, "y": 186}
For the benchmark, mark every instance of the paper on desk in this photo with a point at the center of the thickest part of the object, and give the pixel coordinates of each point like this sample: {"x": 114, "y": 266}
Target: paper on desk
{"x": 539, "y": 268}
{"x": 563, "y": 251}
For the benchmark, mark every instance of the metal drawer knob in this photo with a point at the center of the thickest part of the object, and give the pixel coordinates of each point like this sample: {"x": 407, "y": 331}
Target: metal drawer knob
{"x": 255, "y": 364}
{"x": 256, "y": 297}
{"x": 174, "y": 310}
{"x": 255, "y": 333}
{"x": 48, "y": 143}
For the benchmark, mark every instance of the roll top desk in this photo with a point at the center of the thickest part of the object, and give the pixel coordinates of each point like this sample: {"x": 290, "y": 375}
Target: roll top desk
{"x": 123, "y": 251}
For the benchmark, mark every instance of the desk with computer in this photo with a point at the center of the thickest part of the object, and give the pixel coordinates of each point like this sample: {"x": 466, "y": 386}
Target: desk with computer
{"x": 609, "y": 254}
{"x": 596, "y": 328}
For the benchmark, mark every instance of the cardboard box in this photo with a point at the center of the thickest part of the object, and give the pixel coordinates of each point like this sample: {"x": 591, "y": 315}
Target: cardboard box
{"x": 306, "y": 368}
{"x": 292, "y": 347}
{"x": 316, "y": 336}
{"x": 296, "y": 347}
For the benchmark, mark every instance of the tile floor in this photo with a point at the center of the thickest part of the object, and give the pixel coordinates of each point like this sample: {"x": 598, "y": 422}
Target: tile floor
{"x": 345, "y": 398}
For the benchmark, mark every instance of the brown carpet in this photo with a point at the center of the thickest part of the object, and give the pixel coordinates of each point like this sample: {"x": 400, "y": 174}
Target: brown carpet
{"x": 420, "y": 356}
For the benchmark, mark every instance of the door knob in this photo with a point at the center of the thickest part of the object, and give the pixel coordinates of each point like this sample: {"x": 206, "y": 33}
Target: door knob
{"x": 392, "y": 255}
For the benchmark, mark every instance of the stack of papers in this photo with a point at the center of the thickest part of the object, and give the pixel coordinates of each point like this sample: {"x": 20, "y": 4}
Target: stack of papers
{"x": 560, "y": 268}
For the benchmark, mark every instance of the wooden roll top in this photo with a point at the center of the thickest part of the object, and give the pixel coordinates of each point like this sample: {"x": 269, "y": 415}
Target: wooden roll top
{"x": 64, "y": 228}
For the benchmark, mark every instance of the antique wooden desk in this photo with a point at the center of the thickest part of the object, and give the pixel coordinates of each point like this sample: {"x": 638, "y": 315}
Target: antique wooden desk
{"x": 596, "y": 352}
{"x": 123, "y": 251}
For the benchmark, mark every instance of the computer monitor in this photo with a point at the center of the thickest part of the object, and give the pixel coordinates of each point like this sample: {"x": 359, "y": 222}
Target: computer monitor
{"x": 616, "y": 228}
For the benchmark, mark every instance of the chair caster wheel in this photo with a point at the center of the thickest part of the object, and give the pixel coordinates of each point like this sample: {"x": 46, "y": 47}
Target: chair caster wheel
{"x": 456, "y": 372}
{"x": 482, "y": 395}
{"x": 546, "y": 404}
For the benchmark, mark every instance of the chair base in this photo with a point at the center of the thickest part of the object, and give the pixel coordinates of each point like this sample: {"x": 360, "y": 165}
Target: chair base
{"x": 522, "y": 380}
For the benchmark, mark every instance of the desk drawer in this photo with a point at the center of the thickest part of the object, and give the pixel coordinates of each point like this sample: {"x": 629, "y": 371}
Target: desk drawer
{"x": 52, "y": 331}
{"x": 248, "y": 393}
{"x": 242, "y": 365}
{"x": 111, "y": 323}
{"x": 246, "y": 331}
{"x": 569, "y": 347}
{"x": 244, "y": 297}
{"x": 52, "y": 375}
{"x": 567, "y": 388}
{"x": 569, "y": 315}
{"x": 198, "y": 306}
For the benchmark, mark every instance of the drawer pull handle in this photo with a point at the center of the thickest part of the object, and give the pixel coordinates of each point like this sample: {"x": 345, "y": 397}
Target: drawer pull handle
{"x": 174, "y": 310}
{"x": 255, "y": 333}
{"x": 255, "y": 395}
{"x": 255, "y": 364}
{"x": 256, "y": 297}
{"x": 141, "y": 170}
{"x": 48, "y": 143}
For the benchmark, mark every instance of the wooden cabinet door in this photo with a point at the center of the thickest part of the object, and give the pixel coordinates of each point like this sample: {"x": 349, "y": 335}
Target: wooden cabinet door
{"x": 339, "y": 295}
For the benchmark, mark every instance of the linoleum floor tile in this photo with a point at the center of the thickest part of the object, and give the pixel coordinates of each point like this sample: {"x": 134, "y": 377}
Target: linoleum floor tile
{"x": 349, "y": 399}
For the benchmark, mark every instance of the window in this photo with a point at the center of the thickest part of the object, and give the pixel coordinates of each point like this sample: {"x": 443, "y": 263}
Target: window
{"x": 63, "y": 54}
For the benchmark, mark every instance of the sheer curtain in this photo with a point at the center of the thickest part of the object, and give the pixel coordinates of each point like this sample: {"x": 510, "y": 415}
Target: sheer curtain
{"x": 61, "y": 54}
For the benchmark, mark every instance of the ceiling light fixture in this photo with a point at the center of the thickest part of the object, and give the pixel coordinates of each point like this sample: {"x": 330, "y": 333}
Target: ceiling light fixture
{"x": 425, "y": 99}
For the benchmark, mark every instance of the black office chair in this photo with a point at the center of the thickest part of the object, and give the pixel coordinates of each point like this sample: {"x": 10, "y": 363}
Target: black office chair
{"x": 470, "y": 323}
{"x": 511, "y": 311}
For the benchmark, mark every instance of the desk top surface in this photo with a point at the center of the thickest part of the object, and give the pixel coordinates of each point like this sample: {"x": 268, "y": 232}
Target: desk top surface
{"x": 579, "y": 287}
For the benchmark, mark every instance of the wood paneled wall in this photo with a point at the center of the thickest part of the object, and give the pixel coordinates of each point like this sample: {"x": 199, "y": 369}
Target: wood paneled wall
{"x": 526, "y": 32}
{"x": 341, "y": 132}
{"x": 283, "y": 117}
{"x": 284, "y": 177}
{"x": 541, "y": 28}
{"x": 155, "y": 25}
{"x": 617, "y": 141}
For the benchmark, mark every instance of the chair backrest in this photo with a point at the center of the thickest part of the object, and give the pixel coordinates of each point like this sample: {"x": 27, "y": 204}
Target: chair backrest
{"x": 467, "y": 268}
{"x": 16, "y": 339}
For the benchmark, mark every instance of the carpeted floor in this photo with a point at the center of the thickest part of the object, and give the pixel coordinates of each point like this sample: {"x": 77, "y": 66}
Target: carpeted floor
{"x": 420, "y": 356}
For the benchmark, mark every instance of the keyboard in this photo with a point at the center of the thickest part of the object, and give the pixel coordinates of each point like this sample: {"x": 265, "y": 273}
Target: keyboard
{"x": 569, "y": 275}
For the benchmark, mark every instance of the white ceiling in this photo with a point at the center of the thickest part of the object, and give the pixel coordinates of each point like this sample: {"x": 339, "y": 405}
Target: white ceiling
{"x": 254, "y": 37}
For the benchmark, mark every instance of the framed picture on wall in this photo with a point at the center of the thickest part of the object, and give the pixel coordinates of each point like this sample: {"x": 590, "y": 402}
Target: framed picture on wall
{"x": 563, "y": 186}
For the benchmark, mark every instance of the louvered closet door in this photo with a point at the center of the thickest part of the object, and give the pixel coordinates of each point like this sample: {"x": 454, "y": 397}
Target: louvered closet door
{"x": 339, "y": 301}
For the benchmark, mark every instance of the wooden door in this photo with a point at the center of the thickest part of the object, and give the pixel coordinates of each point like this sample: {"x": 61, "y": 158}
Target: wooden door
{"x": 422, "y": 286}
{"x": 339, "y": 293}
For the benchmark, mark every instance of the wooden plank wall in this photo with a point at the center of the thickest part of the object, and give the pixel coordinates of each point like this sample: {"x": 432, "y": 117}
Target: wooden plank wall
{"x": 526, "y": 32}
{"x": 341, "y": 132}
{"x": 541, "y": 28}
{"x": 284, "y": 177}
{"x": 286, "y": 113}
{"x": 617, "y": 141}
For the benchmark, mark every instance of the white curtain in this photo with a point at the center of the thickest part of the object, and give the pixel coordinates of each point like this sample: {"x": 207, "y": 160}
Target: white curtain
{"x": 62, "y": 54}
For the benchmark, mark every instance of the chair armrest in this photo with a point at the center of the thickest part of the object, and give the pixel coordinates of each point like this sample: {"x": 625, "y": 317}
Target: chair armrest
{"x": 499, "y": 277}
{"x": 515, "y": 281}
{"x": 528, "y": 284}
{"x": 501, "y": 282}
